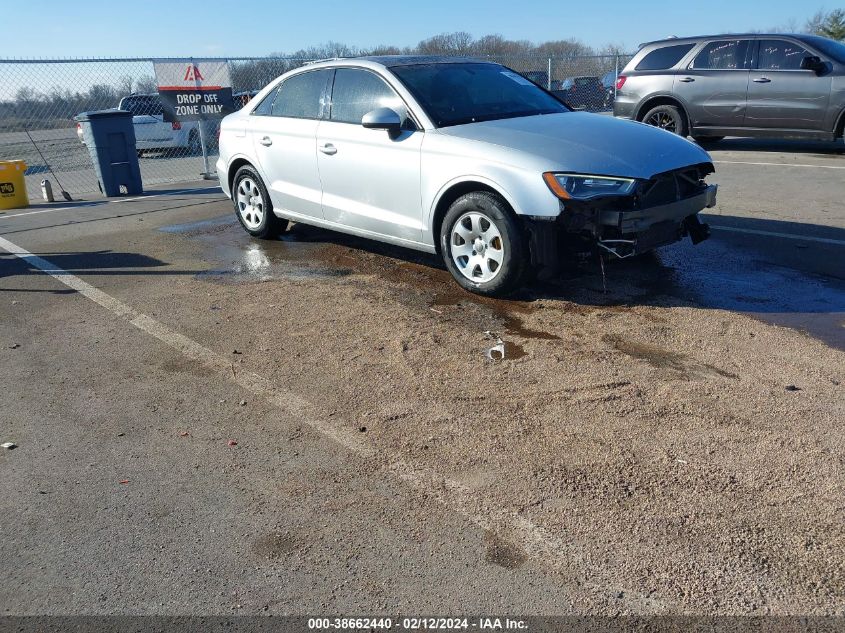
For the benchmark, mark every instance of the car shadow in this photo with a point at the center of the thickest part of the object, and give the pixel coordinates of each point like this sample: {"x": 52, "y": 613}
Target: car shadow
{"x": 792, "y": 146}
{"x": 104, "y": 262}
{"x": 749, "y": 266}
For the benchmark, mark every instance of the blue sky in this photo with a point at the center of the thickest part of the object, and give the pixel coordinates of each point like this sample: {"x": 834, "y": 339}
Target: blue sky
{"x": 98, "y": 28}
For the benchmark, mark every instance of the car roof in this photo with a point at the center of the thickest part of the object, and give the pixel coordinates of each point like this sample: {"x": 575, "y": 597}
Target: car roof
{"x": 698, "y": 38}
{"x": 391, "y": 61}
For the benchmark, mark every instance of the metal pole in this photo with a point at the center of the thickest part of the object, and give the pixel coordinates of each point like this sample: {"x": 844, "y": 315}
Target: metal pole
{"x": 206, "y": 175}
{"x": 616, "y": 77}
{"x": 549, "y": 76}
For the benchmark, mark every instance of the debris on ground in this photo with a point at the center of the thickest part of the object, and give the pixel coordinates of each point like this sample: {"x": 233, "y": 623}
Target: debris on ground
{"x": 792, "y": 388}
{"x": 124, "y": 481}
{"x": 232, "y": 443}
{"x": 242, "y": 403}
{"x": 184, "y": 434}
{"x": 9, "y": 445}
{"x": 14, "y": 346}
{"x": 497, "y": 352}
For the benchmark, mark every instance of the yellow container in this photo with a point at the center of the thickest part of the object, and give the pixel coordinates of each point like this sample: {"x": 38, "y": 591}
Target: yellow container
{"x": 12, "y": 185}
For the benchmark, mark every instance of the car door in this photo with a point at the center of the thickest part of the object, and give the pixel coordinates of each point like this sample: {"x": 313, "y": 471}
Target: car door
{"x": 714, "y": 86}
{"x": 371, "y": 180}
{"x": 780, "y": 94}
{"x": 284, "y": 134}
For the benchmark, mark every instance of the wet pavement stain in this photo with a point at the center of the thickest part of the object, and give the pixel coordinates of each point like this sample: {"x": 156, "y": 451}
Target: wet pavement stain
{"x": 274, "y": 545}
{"x": 501, "y": 552}
{"x": 714, "y": 275}
{"x": 653, "y": 355}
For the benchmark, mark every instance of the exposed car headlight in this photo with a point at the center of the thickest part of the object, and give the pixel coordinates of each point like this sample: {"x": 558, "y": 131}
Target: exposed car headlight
{"x": 586, "y": 186}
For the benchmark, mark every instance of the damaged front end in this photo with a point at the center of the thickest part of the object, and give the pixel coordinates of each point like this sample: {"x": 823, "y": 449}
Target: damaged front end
{"x": 629, "y": 217}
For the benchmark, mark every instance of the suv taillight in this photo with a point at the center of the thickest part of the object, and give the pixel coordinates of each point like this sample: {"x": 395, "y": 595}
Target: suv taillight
{"x": 620, "y": 81}
{"x": 176, "y": 125}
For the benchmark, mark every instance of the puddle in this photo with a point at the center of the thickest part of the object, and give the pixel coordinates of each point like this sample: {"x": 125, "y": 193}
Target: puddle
{"x": 242, "y": 259}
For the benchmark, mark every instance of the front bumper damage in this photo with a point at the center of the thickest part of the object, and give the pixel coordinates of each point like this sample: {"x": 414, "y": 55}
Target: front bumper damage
{"x": 643, "y": 230}
{"x": 663, "y": 210}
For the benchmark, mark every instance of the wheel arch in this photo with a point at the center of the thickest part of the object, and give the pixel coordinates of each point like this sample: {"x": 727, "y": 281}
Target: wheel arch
{"x": 839, "y": 129}
{"x": 454, "y": 190}
{"x": 234, "y": 166}
{"x": 658, "y": 100}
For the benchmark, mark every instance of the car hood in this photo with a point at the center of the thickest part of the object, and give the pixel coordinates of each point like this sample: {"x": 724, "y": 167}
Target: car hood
{"x": 588, "y": 143}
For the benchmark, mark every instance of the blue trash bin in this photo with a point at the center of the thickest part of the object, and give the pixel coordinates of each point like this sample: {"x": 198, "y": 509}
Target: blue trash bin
{"x": 110, "y": 138}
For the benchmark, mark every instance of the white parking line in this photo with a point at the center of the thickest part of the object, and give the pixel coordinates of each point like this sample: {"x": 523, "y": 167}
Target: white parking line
{"x": 104, "y": 202}
{"x": 788, "y": 236}
{"x": 545, "y": 547}
{"x": 745, "y": 162}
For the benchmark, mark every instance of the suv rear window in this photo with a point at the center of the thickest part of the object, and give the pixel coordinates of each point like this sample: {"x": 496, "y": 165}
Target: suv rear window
{"x": 142, "y": 105}
{"x": 665, "y": 57}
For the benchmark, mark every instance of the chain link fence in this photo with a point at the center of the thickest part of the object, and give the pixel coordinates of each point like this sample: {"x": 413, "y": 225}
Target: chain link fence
{"x": 40, "y": 98}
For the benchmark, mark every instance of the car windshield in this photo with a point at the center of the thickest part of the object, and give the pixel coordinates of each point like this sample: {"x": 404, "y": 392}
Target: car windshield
{"x": 454, "y": 94}
{"x": 833, "y": 49}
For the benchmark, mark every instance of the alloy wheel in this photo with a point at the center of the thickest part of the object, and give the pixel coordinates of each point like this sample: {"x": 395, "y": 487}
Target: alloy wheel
{"x": 664, "y": 121}
{"x": 250, "y": 203}
{"x": 477, "y": 247}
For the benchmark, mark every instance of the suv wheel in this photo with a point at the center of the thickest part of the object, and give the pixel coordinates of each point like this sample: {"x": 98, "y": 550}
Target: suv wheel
{"x": 667, "y": 117}
{"x": 253, "y": 206}
{"x": 482, "y": 245}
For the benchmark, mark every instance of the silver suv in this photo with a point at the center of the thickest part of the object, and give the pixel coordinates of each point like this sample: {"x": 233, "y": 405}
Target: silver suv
{"x": 787, "y": 86}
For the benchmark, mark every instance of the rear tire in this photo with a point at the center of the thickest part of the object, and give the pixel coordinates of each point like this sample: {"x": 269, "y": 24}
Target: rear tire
{"x": 253, "y": 206}
{"x": 667, "y": 117}
{"x": 483, "y": 246}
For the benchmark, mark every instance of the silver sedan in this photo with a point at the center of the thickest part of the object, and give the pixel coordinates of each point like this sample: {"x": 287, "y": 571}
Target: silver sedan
{"x": 458, "y": 157}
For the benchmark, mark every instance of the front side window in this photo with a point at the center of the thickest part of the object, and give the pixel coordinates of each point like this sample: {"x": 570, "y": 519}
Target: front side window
{"x": 664, "y": 58}
{"x": 780, "y": 55}
{"x": 454, "y": 94}
{"x": 357, "y": 92}
{"x": 722, "y": 55}
{"x": 301, "y": 96}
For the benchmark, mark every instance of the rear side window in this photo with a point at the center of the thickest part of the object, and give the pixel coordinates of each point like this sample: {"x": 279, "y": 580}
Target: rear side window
{"x": 266, "y": 106}
{"x": 665, "y": 57}
{"x": 357, "y": 92}
{"x": 722, "y": 55}
{"x": 780, "y": 55}
{"x": 301, "y": 96}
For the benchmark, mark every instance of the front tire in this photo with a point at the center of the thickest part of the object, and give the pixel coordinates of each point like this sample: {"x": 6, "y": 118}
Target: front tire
{"x": 253, "y": 206}
{"x": 483, "y": 246}
{"x": 669, "y": 118}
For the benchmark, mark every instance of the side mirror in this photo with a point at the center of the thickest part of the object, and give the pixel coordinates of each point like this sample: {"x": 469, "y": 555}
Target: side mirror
{"x": 383, "y": 119}
{"x": 812, "y": 62}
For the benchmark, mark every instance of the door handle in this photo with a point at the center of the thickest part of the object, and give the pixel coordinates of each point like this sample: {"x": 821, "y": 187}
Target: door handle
{"x": 762, "y": 80}
{"x": 686, "y": 80}
{"x": 329, "y": 149}
{"x": 266, "y": 141}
